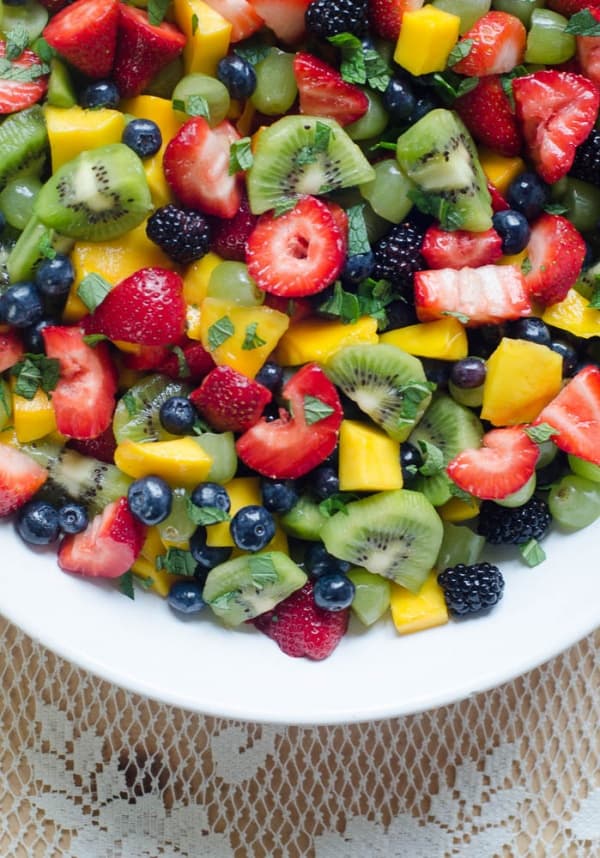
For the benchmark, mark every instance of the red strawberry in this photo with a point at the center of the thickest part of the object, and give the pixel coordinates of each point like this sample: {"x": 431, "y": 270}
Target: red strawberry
{"x": 484, "y": 296}
{"x": 229, "y": 236}
{"x": 11, "y": 349}
{"x": 575, "y": 413}
{"x": 298, "y": 253}
{"x": 193, "y": 362}
{"x": 84, "y": 398}
{"x": 85, "y": 34}
{"x": 146, "y": 308}
{"x": 502, "y": 466}
{"x": 102, "y": 447}
{"x": 229, "y": 400}
{"x": 196, "y": 165}
{"x": 588, "y": 49}
{"x": 142, "y": 49}
{"x": 498, "y": 45}
{"x": 18, "y": 94}
{"x": 300, "y": 628}
{"x": 499, "y": 204}
{"x": 20, "y": 478}
{"x": 301, "y": 439}
{"x": 386, "y": 16}
{"x": 569, "y": 7}
{"x": 487, "y": 112}
{"x": 556, "y": 252}
{"x": 296, "y": 308}
{"x": 284, "y": 17}
{"x": 442, "y": 249}
{"x": 241, "y": 14}
{"x": 323, "y": 91}
{"x": 557, "y": 111}
{"x": 107, "y": 547}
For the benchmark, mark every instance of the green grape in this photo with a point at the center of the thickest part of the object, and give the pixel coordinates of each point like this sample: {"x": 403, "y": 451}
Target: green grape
{"x": 468, "y": 11}
{"x": 17, "y": 199}
{"x": 372, "y": 123}
{"x": 31, "y": 15}
{"x": 585, "y": 469}
{"x": 276, "y": 88}
{"x": 522, "y": 9}
{"x": 472, "y": 397}
{"x": 230, "y": 281}
{"x": 547, "y": 41}
{"x": 221, "y": 446}
{"x": 521, "y": 496}
{"x": 548, "y": 452}
{"x": 196, "y": 92}
{"x": 177, "y": 528}
{"x": 459, "y": 545}
{"x": 388, "y": 192}
{"x": 60, "y": 87}
{"x": 5, "y": 405}
{"x": 581, "y": 200}
{"x": 371, "y": 596}
{"x": 575, "y": 502}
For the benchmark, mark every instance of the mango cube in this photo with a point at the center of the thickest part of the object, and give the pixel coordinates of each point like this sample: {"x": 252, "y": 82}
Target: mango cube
{"x": 242, "y": 491}
{"x": 72, "y": 130}
{"x": 457, "y": 509}
{"x": 498, "y": 169}
{"x": 427, "y": 36}
{"x": 32, "y": 418}
{"x": 319, "y": 339}
{"x": 574, "y": 315}
{"x": 208, "y": 35}
{"x": 196, "y": 278}
{"x": 145, "y": 565}
{"x": 413, "y": 612}
{"x": 181, "y": 463}
{"x": 444, "y": 339}
{"x": 369, "y": 460}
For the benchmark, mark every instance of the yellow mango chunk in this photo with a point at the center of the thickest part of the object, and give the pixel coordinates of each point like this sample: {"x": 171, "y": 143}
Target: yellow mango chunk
{"x": 457, "y": 509}
{"x": 413, "y": 612}
{"x": 444, "y": 339}
{"x": 499, "y": 169}
{"x": 33, "y": 418}
{"x": 574, "y": 315}
{"x": 369, "y": 460}
{"x": 522, "y": 377}
{"x": 208, "y": 35}
{"x": 196, "y": 278}
{"x": 515, "y": 259}
{"x": 426, "y": 38}
{"x": 72, "y": 130}
{"x": 9, "y": 436}
{"x": 319, "y": 339}
{"x": 145, "y": 565}
{"x": 248, "y": 325}
{"x": 181, "y": 463}
{"x": 242, "y": 491}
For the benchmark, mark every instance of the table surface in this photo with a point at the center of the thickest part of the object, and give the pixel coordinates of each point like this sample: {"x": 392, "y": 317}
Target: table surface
{"x": 89, "y": 770}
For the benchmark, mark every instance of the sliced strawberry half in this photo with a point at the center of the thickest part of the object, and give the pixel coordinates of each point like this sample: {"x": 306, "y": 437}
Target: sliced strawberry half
{"x": 298, "y": 253}
{"x": 555, "y": 251}
{"x": 229, "y": 237}
{"x": 303, "y": 437}
{"x": 497, "y": 44}
{"x": 242, "y": 16}
{"x": 146, "y": 308}
{"x": 570, "y": 7}
{"x": 502, "y": 466}
{"x": 23, "y": 82}
{"x": 588, "y": 47}
{"x": 143, "y": 49}
{"x": 499, "y": 204}
{"x": 186, "y": 359}
{"x": 85, "y": 34}
{"x": 443, "y": 249}
{"x": 488, "y": 114}
{"x": 20, "y": 478}
{"x": 196, "y": 166}
{"x": 11, "y": 349}
{"x": 229, "y": 400}
{"x": 483, "y": 296}
{"x": 557, "y": 111}
{"x": 324, "y": 92}
{"x": 575, "y": 414}
{"x": 108, "y": 547}
{"x": 102, "y": 447}
{"x": 385, "y": 16}
{"x": 284, "y": 17}
{"x": 84, "y": 398}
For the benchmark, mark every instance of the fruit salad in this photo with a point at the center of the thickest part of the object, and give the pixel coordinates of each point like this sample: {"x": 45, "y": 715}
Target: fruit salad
{"x": 300, "y": 300}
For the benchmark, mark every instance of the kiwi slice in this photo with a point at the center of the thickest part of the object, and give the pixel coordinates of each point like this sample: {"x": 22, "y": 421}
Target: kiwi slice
{"x": 247, "y": 586}
{"x": 394, "y": 534}
{"x": 303, "y": 155}
{"x": 23, "y": 144}
{"x": 100, "y": 194}
{"x": 439, "y": 155}
{"x": 30, "y": 247}
{"x": 459, "y": 545}
{"x": 136, "y": 414}
{"x": 385, "y": 382}
{"x": 304, "y": 520}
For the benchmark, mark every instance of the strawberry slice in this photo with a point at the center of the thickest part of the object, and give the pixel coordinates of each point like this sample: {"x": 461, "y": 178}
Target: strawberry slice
{"x": 575, "y": 413}
{"x": 298, "y": 253}
{"x": 229, "y": 237}
{"x": 487, "y": 112}
{"x": 498, "y": 42}
{"x": 284, "y": 17}
{"x": 108, "y": 546}
{"x": 142, "y": 49}
{"x": 569, "y": 7}
{"x": 300, "y": 628}
{"x": 303, "y": 437}
{"x": 502, "y": 466}
{"x": 102, "y": 447}
{"x": 85, "y": 34}
{"x": 386, "y": 16}
{"x": 84, "y": 398}
{"x": 484, "y": 296}
{"x": 323, "y": 91}
{"x": 556, "y": 251}
{"x": 229, "y": 400}
{"x": 20, "y": 478}
{"x": 499, "y": 204}
{"x": 146, "y": 308}
{"x": 23, "y": 81}
{"x": 196, "y": 166}
{"x": 588, "y": 48}
{"x": 242, "y": 16}
{"x": 11, "y": 349}
{"x": 186, "y": 359}
{"x": 442, "y": 249}
{"x": 557, "y": 111}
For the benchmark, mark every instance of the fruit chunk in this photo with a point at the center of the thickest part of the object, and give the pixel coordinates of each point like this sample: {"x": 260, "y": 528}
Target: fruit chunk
{"x": 182, "y": 462}
{"x": 242, "y": 16}
{"x": 488, "y": 114}
{"x": 319, "y": 339}
{"x": 71, "y": 130}
{"x": 500, "y": 170}
{"x": 460, "y": 248}
{"x": 369, "y": 460}
{"x": 230, "y": 401}
{"x": 323, "y": 91}
{"x": 207, "y": 35}
{"x": 33, "y": 418}
{"x": 385, "y": 16}
{"x": 20, "y": 478}
{"x": 371, "y": 595}
{"x": 445, "y": 339}
{"x": 588, "y": 47}
{"x": 17, "y": 93}
{"x": 286, "y": 18}
{"x": 427, "y": 36}
{"x": 11, "y": 349}
{"x": 575, "y": 414}
{"x": 497, "y": 44}
{"x": 555, "y": 251}
{"x": 574, "y": 314}
{"x": 85, "y": 34}
{"x": 414, "y": 612}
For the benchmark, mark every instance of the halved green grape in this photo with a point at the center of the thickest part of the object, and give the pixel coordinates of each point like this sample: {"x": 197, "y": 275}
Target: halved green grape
{"x": 388, "y": 193}
{"x": 459, "y": 545}
{"x": 371, "y": 595}
{"x": 547, "y": 41}
{"x": 584, "y": 469}
{"x": 521, "y": 496}
{"x": 522, "y": 9}
{"x": 472, "y": 397}
{"x": 276, "y": 88}
{"x": 17, "y": 199}
{"x": 61, "y": 92}
{"x": 575, "y": 502}
{"x": 468, "y": 11}
{"x": 163, "y": 83}
{"x": 548, "y": 452}
{"x": 230, "y": 281}
{"x": 372, "y": 123}
{"x": 221, "y": 446}
{"x": 31, "y": 15}
{"x": 176, "y": 530}
{"x": 581, "y": 200}
{"x": 196, "y": 91}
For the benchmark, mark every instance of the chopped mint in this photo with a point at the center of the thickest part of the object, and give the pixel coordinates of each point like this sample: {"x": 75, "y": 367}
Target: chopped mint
{"x": 322, "y": 137}
{"x": 195, "y": 23}
{"x": 341, "y": 303}
{"x": 5, "y": 403}
{"x": 177, "y": 562}
{"x": 206, "y": 515}
{"x": 460, "y": 50}
{"x": 594, "y": 303}
{"x": 336, "y": 503}
{"x": 262, "y": 570}
{"x": 17, "y": 40}
{"x": 540, "y": 433}
{"x": 449, "y": 218}
{"x": 196, "y": 105}
{"x": 35, "y": 372}
{"x": 251, "y": 338}
{"x": 459, "y": 493}
{"x": 157, "y": 9}
{"x": 252, "y": 50}
{"x": 462, "y": 318}
{"x": 240, "y": 156}
{"x": 433, "y": 459}
{"x": 360, "y": 64}
{"x": 532, "y": 553}
{"x": 45, "y": 246}
{"x": 219, "y": 332}
{"x": 93, "y": 339}
{"x": 555, "y": 209}
{"x": 43, "y": 50}
{"x": 316, "y": 410}
{"x": 451, "y": 86}
{"x": 126, "y": 584}
{"x": 200, "y": 427}
{"x": 284, "y": 205}
{"x": 384, "y": 144}
{"x": 358, "y": 241}
{"x": 22, "y": 74}
{"x": 222, "y": 602}
{"x": 526, "y": 265}
{"x": 413, "y": 395}
{"x": 183, "y": 367}
{"x": 92, "y": 290}
{"x": 129, "y": 402}
{"x": 583, "y": 24}
{"x": 371, "y": 299}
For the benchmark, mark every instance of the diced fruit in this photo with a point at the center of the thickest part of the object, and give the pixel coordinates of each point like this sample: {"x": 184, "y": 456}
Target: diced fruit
{"x": 460, "y": 248}
{"x": 85, "y": 34}
{"x": 319, "y": 339}
{"x": 386, "y": 16}
{"x": 460, "y": 544}
{"x": 588, "y": 47}
{"x": 371, "y": 595}
{"x": 18, "y": 94}
{"x": 575, "y": 414}
{"x": 500, "y": 172}
{"x": 488, "y": 114}
{"x": 555, "y": 251}
{"x": 33, "y": 418}
{"x": 457, "y": 509}
{"x": 427, "y": 36}
{"x": 182, "y": 462}
{"x": 242, "y": 492}
{"x": 11, "y": 349}
{"x": 102, "y": 447}
{"x": 497, "y": 44}
{"x": 323, "y": 91}
{"x": 207, "y": 35}
{"x": 20, "y": 478}
{"x": 230, "y": 401}
{"x": 574, "y": 314}
{"x": 445, "y": 339}
{"x": 196, "y": 278}
{"x": 414, "y": 612}
{"x": 284, "y": 17}
{"x": 71, "y": 130}
{"x": 369, "y": 460}
{"x": 242, "y": 16}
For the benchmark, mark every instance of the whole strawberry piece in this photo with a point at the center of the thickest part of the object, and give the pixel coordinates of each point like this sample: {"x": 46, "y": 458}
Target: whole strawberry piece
{"x": 487, "y": 112}
{"x": 588, "y": 47}
{"x": 386, "y": 16}
{"x": 20, "y": 478}
{"x": 460, "y": 248}
{"x": 23, "y": 81}
{"x": 496, "y": 44}
{"x": 229, "y": 400}
{"x": 555, "y": 251}
{"x": 11, "y": 349}
{"x": 575, "y": 414}
{"x": 229, "y": 237}
{"x": 300, "y": 628}
{"x": 85, "y": 34}
{"x": 323, "y": 91}
{"x": 570, "y": 7}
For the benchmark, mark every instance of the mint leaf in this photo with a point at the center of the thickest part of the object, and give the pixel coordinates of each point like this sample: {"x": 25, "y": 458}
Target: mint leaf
{"x": 341, "y": 303}
{"x": 583, "y": 24}
{"x": 196, "y": 105}
{"x": 251, "y": 338}
{"x": 252, "y": 50}
{"x": 459, "y": 493}
{"x": 126, "y": 584}
{"x": 462, "y": 317}
{"x": 157, "y": 9}
{"x": 262, "y": 570}
{"x": 219, "y": 332}
{"x": 316, "y": 410}
{"x": 5, "y": 403}
{"x": 93, "y": 339}
{"x": 177, "y": 562}
{"x": 540, "y": 433}
{"x": 183, "y": 367}
{"x": 128, "y": 400}
{"x": 22, "y": 74}
{"x": 323, "y": 137}
{"x": 17, "y": 40}
{"x": 195, "y": 23}
{"x": 451, "y": 86}
{"x": 285, "y": 205}
{"x": 526, "y": 265}
{"x": 45, "y": 247}
{"x": 377, "y": 70}
{"x": 240, "y": 156}
{"x": 556, "y": 209}
{"x": 460, "y": 50}
{"x": 358, "y": 241}
{"x": 360, "y": 64}
{"x": 43, "y": 50}
{"x": 413, "y": 395}
{"x": 92, "y": 290}
{"x": 206, "y": 515}
{"x": 433, "y": 459}
{"x": 336, "y": 503}
{"x": 532, "y": 553}
{"x": 428, "y": 203}
{"x": 33, "y": 372}
{"x": 595, "y": 296}
{"x": 384, "y": 144}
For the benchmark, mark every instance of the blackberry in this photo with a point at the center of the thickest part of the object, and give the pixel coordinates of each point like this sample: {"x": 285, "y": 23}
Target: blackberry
{"x": 471, "y": 589}
{"x": 513, "y": 526}
{"x": 398, "y": 256}
{"x": 183, "y": 234}
{"x": 329, "y": 17}
{"x": 586, "y": 165}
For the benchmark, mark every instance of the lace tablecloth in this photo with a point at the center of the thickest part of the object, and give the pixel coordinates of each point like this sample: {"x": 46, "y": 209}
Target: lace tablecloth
{"x": 91, "y": 771}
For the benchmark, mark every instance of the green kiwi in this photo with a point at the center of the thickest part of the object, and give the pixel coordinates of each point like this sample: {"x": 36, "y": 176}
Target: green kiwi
{"x": 60, "y": 87}
{"x": 247, "y": 586}
{"x": 136, "y": 414}
{"x": 23, "y": 144}
{"x": 31, "y": 246}
{"x": 395, "y": 534}
{"x": 459, "y": 545}
{"x": 385, "y": 382}
{"x": 303, "y": 155}
{"x": 100, "y": 194}
{"x": 30, "y": 15}
{"x": 304, "y": 520}
{"x": 439, "y": 155}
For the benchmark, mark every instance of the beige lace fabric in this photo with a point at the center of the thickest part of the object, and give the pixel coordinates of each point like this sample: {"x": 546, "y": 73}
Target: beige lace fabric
{"x": 89, "y": 770}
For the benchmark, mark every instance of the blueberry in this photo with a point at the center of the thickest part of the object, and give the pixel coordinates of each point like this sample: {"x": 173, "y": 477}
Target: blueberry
{"x": 568, "y": 354}
{"x": 101, "y": 93}
{"x": 37, "y": 523}
{"x": 23, "y": 305}
{"x": 211, "y": 494}
{"x": 468, "y": 373}
{"x": 531, "y": 328}
{"x": 54, "y": 277}
{"x": 358, "y": 267}
{"x": 410, "y": 460}
{"x": 150, "y": 499}
{"x": 513, "y": 228}
{"x": 528, "y": 194}
{"x": 318, "y": 561}
{"x": 177, "y": 415}
{"x": 324, "y": 482}
{"x": 423, "y": 105}
{"x": 33, "y": 340}
{"x": 278, "y": 495}
{"x": 252, "y": 527}
{"x": 333, "y": 592}
{"x": 185, "y": 597}
{"x": 437, "y": 371}
{"x": 72, "y": 517}
{"x": 237, "y": 75}
{"x": 399, "y": 99}
{"x": 143, "y": 136}
{"x": 206, "y": 556}
{"x": 270, "y": 375}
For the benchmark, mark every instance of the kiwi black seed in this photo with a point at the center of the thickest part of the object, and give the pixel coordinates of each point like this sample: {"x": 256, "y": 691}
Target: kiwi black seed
{"x": 23, "y": 144}
{"x": 137, "y": 412}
